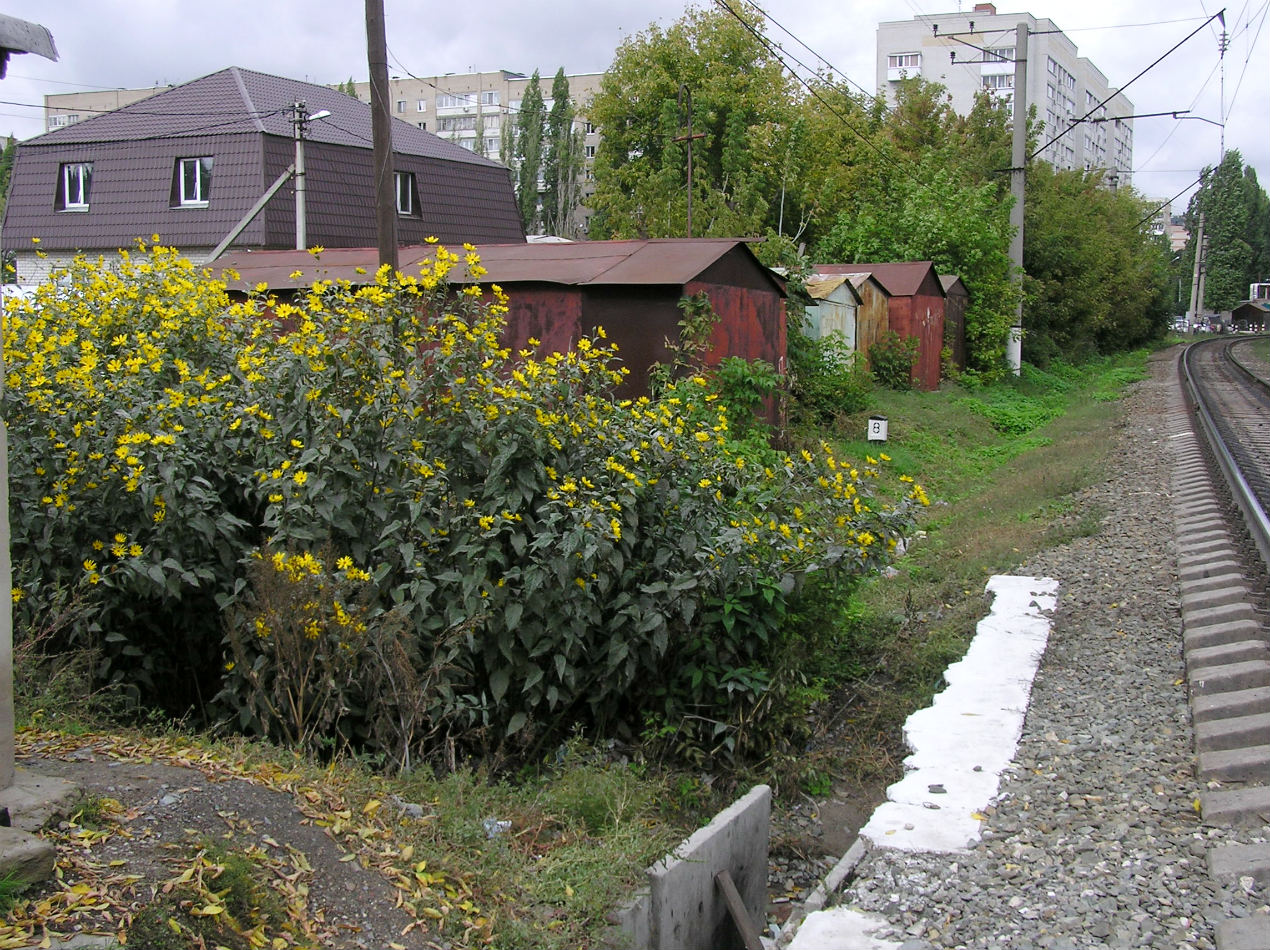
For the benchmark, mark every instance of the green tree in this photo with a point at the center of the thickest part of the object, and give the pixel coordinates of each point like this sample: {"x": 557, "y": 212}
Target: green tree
{"x": 709, "y": 69}
{"x": 1097, "y": 280}
{"x": 1237, "y": 223}
{"x": 529, "y": 142}
{"x": 562, "y": 161}
{"x": 7, "y": 155}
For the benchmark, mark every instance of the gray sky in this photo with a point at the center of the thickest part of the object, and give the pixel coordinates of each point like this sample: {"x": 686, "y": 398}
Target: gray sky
{"x": 129, "y": 43}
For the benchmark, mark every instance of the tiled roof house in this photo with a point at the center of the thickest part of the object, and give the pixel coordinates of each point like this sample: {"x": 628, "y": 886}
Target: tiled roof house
{"x": 189, "y": 163}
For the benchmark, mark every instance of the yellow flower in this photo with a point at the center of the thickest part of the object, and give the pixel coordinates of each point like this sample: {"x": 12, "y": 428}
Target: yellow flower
{"x": 300, "y": 477}
{"x": 17, "y": 594}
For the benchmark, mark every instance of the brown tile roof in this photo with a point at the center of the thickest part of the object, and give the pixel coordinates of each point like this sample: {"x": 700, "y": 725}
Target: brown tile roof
{"x": 237, "y": 100}
{"x": 585, "y": 263}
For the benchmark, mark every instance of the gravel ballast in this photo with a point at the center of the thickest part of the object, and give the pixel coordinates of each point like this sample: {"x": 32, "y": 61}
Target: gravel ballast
{"x": 1095, "y": 838}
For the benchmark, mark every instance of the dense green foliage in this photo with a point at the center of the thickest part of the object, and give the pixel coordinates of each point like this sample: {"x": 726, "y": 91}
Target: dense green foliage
{"x": 855, "y": 179}
{"x": 528, "y": 152}
{"x": 1094, "y": 284}
{"x": 394, "y": 530}
{"x": 1236, "y": 213}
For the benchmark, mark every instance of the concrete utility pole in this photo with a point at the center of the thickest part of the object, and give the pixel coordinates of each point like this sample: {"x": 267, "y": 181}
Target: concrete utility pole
{"x": 1018, "y": 178}
{"x": 300, "y": 120}
{"x": 1197, "y": 281}
{"x": 381, "y": 134}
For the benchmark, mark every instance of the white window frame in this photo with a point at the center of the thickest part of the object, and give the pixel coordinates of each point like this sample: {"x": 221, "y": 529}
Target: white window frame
{"x": 407, "y": 192}
{"x": 201, "y": 181}
{"x": 76, "y": 185}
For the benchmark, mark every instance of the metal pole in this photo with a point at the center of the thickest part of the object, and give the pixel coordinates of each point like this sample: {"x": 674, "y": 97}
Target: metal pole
{"x": 381, "y": 134}
{"x": 1018, "y": 161}
{"x": 301, "y": 225}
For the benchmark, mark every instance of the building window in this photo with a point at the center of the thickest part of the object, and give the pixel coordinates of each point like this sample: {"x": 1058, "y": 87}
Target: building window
{"x": 999, "y": 54}
{"x": 450, "y": 100}
{"x": 1005, "y": 81}
{"x": 421, "y": 105}
{"x": 590, "y": 128}
{"x": 904, "y": 61}
{"x": 423, "y": 125}
{"x": 401, "y": 105}
{"x": 590, "y": 151}
{"x": 193, "y": 182}
{"x": 407, "y": 194}
{"x": 73, "y": 186}
{"x": 489, "y": 97}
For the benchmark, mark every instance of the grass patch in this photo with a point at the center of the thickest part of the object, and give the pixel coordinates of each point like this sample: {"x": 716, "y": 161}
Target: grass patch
{"x": 1003, "y": 465}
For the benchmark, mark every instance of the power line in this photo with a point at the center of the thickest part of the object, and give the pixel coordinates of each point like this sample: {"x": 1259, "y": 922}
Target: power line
{"x": 1219, "y": 13}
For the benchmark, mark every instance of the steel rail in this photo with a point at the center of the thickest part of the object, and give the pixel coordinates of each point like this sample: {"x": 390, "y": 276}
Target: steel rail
{"x": 1254, "y": 514}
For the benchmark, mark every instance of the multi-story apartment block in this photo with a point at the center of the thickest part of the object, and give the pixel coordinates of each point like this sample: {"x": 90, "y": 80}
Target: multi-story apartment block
{"x": 470, "y": 109}
{"x": 971, "y": 52}
{"x": 474, "y": 110}
{"x": 67, "y": 108}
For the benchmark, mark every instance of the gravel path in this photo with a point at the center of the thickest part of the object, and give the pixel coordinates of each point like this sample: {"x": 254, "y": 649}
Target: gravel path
{"x": 1095, "y": 839}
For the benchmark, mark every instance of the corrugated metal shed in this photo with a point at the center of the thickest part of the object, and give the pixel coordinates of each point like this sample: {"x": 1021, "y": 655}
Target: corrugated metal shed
{"x": 836, "y": 302}
{"x": 915, "y": 308}
{"x": 560, "y": 292}
{"x": 956, "y": 300}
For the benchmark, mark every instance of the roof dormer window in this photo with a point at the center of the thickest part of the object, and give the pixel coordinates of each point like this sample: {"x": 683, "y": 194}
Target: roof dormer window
{"x": 192, "y": 182}
{"x": 74, "y": 183}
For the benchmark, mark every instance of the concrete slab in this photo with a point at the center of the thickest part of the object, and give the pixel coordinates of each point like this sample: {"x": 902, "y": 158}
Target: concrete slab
{"x": 1237, "y": 593}
{"x": 841, "y": 928}
{"x": 1230, "y": 677}
{"x": 1231, "y": 578}
{"x": 685, "y": 909}
{"x": 33, "y": 799}
{"x": 1245, "y": 764}
{"x": 1210, "y": 567}
{"x": 1214, "y": 634}
{"x": 1221, "y": 654}
{"x": 967, "y": 737}
{"x": 1244, "y": 702}
{"x": 1222, "y": 734}
{"x": 1248, "y": 933}
{"x": 1223, "y": 614}
{"x": 1237, "y": 806}
{"x": 26, "y": 857}
{"x": 1228, "y": 864}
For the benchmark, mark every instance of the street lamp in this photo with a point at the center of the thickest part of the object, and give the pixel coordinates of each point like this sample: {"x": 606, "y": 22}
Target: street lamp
{"x": 299, "y": 121}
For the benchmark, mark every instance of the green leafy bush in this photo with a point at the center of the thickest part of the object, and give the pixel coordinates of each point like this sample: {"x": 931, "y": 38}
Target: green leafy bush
{"x": 891, "y": 360}
{"x": 364, "y": 521}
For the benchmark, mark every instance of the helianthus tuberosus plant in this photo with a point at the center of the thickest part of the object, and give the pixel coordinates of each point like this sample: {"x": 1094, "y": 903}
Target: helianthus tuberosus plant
{"x": 363, "y": 519}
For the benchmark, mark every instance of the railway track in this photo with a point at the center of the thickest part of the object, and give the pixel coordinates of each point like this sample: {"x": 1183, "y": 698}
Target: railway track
{"x": 1220, "y": 494}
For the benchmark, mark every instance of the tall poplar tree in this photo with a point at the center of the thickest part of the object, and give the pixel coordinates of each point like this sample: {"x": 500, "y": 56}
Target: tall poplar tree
{"x": 529, "y": 140}
{"x": 1237, "y": 224}
{"x": 562, "y": 162}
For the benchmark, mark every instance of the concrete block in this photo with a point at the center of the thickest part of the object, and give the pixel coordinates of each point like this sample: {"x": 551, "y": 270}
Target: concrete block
{"x": 1197, "y": 585}
{"x": 1210, "y": 567}
{"x": 33, "y": 799}
{"x": 1191, "y": 552}
{"x": 1237, "y": 593}
{"x": 1219, "y": 735}
{"x": 686, "y": 911}
{"x": 1233, "y": 861}
{"x": 628, "y": 926}
{"x": 1235, "y": 806}
{"x": 1230, "y": 677}
{"x": 1244, "y": 702}
{"x": 1226, "y": 613}
{"x": 1246, "y": 764}
{"x": 1197, "y": 532}
{"x": 1225, "y": 653}
{"x": 1215, "y": 634}
{"x": 1245, "y": 933}
{"x": 26, "y": 857}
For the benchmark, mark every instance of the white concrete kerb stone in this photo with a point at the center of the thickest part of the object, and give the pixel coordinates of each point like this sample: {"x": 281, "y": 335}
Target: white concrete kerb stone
{"x": 962, "y": 743}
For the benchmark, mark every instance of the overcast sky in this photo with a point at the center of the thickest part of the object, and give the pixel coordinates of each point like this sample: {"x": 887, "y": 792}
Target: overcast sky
{"x": 132, "y": 43}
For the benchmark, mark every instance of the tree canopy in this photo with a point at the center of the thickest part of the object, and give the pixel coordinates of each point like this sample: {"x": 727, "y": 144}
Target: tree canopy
{"x": 1237, "y": 222}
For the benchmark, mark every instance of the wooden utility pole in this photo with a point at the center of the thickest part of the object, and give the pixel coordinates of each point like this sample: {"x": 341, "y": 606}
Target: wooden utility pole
{"x": 685, "y": 92}
{"x": 1018, "y": 179}
{"x": 381, "y": 134}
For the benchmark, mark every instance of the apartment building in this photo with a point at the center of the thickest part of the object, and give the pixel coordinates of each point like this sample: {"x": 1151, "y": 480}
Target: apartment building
{"x": 975, "y": 51}
{"x": 67, "y": 108}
